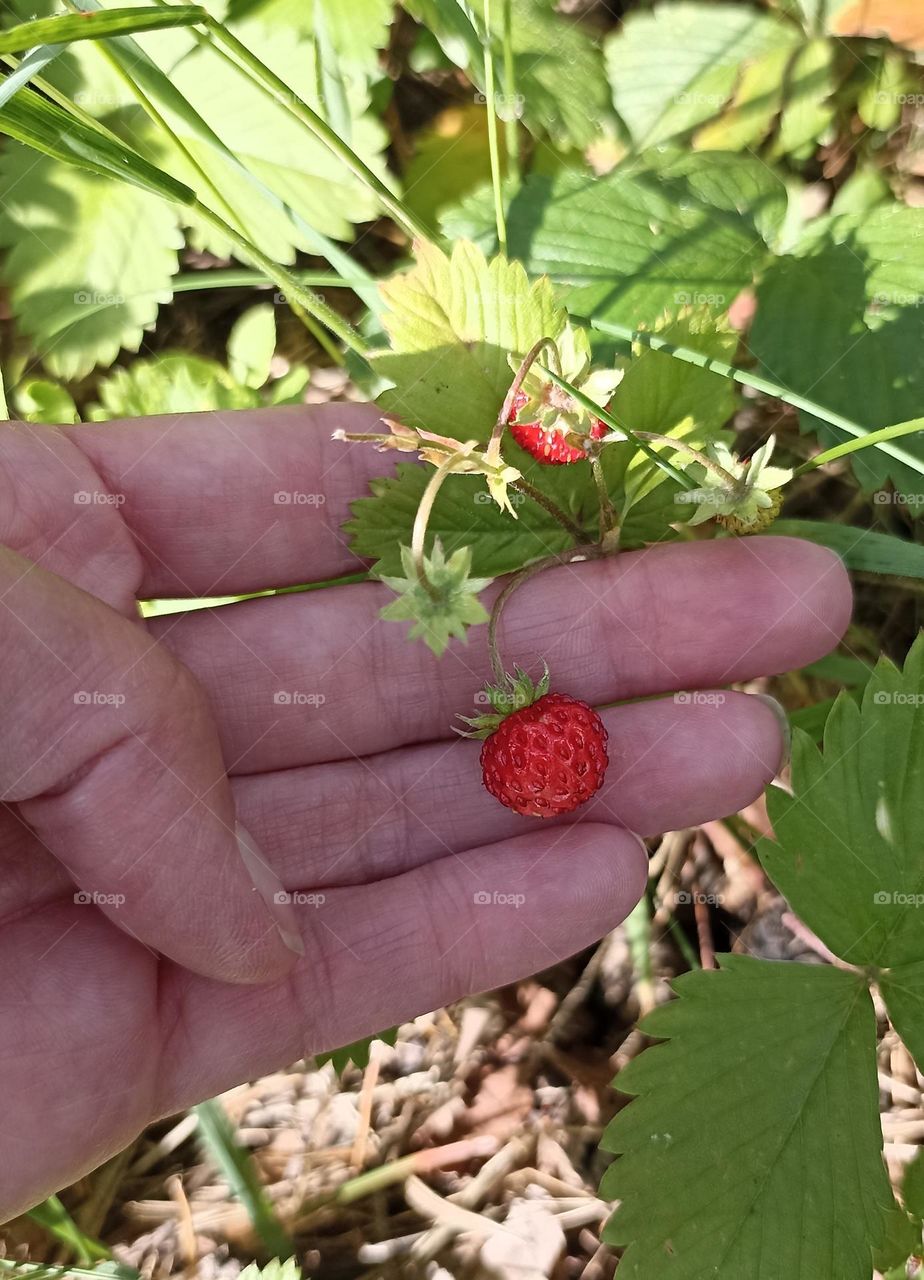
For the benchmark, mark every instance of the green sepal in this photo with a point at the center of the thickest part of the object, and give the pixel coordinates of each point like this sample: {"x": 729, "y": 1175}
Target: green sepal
{"x": 449, "y": 606}
{"x": 515, "y": 693}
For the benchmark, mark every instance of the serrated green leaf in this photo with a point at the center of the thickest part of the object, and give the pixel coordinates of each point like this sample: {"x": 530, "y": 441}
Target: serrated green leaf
{"x": 674, "y": 67}
{"x": 38, "y": 400}
{"x": 276, "y": 1269}
{"x": 79, "y": 286}
{"x": 847, "y": 850}
{"x": 357, "y": 1053}
{"x": 841, "y": 321}
{"x": 358, "y": 30}
{"x": 169, "y": 384}
{"x": 673, "y": 230}
{"x": 452, "y": 322}
{"x": 66, "y": 28}
{"x": 903, "y": 991}
{"x": 251, "y": 345}
{"x": 738, "y": 1116}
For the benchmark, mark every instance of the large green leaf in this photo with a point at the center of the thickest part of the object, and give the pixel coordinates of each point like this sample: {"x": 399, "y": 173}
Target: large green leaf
{"x": 677, "y": 230}
{"x": 753, "y": 1151}
{"x": 841, "y": 322}
{"x": 89, "y": 260}
{"x": 675, "y": 66}
{"x": 452, "y": 322}
{"x": 848, "y": 841}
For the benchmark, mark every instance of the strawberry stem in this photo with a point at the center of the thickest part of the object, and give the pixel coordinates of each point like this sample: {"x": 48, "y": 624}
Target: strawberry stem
{"x": 492, "y": 453}
{"x": 530, "y": 491}
{"x": 423, "y": 515}
{"x": 608, "y": 518}
{"x": 588, "y": 552}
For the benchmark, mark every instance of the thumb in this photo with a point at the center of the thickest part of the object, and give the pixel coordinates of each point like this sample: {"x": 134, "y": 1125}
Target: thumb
{"x": 109, "y": 752}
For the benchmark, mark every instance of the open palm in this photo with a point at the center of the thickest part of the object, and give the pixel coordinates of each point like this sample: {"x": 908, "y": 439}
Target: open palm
{"x": 144, "y": 963}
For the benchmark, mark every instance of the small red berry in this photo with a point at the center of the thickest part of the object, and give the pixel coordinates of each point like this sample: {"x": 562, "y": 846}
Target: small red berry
{"x": 550, "y": 447}
{"x": 547, "y": 758}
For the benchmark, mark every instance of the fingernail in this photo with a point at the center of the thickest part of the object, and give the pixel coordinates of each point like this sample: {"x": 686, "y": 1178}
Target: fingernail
{"x": 271, "y": 890}
{"x": 785, "y": 727}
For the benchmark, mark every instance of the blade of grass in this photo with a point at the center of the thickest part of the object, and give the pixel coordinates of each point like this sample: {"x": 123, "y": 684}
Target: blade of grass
{"x": 304, "y": 314}
{"x": 511, "y": 123}
{"x": 230, "y": 278}
{"x": 854, "y": 446}
{"x": 65, "y": 28}
{"x": 237, "y": 1167}
{"x": 493, "y": 149}
{"x": 615, "y": 425}
{"x": 755, "y": 381}
{"x": 863, "y": 550}
{"x": 31, "y": 66}
{"x": 275, "y": 88}
{"x": 145, "y": 72}
{"x": 52, "y": 1215}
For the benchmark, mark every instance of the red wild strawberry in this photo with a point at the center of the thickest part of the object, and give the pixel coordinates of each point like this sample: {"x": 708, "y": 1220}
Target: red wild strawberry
{"x": 544, "y": 753}
{"x": 548, "y": 446}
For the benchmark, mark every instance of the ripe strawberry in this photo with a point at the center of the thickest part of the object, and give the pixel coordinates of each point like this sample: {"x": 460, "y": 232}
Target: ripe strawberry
{"x": 547, "y": 446}
{"x": 544, "y": 753}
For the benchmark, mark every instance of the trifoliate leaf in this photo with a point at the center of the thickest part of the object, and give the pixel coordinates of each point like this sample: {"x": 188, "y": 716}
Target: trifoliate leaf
{"x": 449, "y": 606}
{"x": 169, "y": 384}
{"x": 452, "y": 322}
{"x": 79, "y": 284}
{"x": 847, "y": 854}
{"x": 357, "y": 1053}
{"x": 753, "y": 1149}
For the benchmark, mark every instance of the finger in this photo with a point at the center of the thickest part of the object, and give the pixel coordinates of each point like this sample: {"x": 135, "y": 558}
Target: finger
{"x": 670, "y": 617}
{"x": 222, "y": 504}
{"x": 110, "y": 755}
{"x": 672, "y": 764}
{"x": 413, "y": 942}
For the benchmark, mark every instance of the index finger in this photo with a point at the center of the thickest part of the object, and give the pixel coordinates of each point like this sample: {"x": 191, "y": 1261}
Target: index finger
{"x": 226, "y": 503}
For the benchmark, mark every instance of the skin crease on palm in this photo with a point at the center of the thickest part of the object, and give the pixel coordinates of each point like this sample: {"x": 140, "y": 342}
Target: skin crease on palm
{"x": 130, "y": 750}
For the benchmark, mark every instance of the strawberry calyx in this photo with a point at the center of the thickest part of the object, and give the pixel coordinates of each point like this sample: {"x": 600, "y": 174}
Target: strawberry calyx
{"x": 514, "y": 694}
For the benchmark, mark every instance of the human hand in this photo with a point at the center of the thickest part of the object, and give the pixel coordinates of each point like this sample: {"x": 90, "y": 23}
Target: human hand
{"x": 128, "y": 751}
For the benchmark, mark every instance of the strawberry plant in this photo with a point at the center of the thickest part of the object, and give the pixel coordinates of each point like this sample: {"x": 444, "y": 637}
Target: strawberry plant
{"x": 625, "y": 320}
